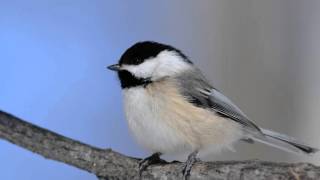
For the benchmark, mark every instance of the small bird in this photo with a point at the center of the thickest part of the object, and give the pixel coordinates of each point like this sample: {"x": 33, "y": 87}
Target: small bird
{"x": 170, "y": 107}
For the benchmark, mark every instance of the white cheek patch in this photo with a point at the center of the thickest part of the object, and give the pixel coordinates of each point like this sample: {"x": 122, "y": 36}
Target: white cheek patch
{"x": 143, "y": 70}
{"x": 166, "y": 63}
{"x": 170, "y": 63}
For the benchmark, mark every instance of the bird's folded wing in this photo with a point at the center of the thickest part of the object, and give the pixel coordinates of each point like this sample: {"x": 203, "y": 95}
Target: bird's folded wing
{"x": 199, "y": 92}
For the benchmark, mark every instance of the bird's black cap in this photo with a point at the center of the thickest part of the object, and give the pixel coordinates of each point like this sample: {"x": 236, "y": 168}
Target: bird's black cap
{"x": 142, "y": 51}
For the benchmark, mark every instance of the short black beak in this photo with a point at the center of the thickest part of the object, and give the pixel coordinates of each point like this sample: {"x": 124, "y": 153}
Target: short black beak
{"x": 114, "y": 67}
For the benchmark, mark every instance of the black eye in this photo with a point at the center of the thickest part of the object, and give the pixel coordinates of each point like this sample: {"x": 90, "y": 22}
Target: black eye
{"x": 137, "y": 60}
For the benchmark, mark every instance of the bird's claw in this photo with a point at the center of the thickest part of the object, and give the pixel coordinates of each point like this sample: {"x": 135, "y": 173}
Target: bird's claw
{"x": 153, "y": 159}
{"x": 188, "y": 165}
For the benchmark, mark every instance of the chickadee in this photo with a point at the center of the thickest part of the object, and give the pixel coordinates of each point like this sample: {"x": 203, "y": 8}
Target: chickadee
{"x": 170, "y": 106}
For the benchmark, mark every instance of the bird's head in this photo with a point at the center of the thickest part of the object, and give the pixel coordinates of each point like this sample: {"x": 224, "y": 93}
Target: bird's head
{"x": 148, "y": 61}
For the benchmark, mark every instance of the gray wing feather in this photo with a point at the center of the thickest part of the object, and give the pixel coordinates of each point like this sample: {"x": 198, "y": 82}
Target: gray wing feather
{"x": 225, "y": 106}
{"x": 199, "y": 92}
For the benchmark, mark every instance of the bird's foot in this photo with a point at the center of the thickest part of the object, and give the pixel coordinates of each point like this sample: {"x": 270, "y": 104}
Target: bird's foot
{"x": 192, "y": 158}
{"x": 153, "y": 159}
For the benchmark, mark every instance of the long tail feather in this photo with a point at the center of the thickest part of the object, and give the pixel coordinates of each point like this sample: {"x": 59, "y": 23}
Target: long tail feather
{"x": 283, "y": 142}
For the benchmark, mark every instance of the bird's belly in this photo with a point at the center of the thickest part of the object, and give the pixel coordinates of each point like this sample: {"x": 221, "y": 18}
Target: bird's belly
{"x": 149, "y": 125}
{"x": 163, "y": 121}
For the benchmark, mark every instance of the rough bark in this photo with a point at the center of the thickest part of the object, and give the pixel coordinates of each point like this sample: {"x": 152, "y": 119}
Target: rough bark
{"x": 108, "y": 164}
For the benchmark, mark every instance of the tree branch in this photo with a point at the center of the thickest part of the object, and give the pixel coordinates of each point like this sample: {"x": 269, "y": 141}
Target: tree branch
{"x": 107, "y": 164}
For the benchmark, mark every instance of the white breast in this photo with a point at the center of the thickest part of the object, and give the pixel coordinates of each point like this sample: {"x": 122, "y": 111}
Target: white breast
{"x": 163, "y": 121}
{"x": 145, "y": 120}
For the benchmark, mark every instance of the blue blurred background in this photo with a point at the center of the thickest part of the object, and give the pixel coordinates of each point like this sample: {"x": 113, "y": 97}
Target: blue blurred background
{"x": 262, "y": 54}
